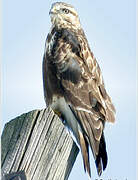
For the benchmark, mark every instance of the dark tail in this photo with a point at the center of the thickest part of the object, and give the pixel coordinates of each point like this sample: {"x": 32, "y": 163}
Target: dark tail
{"x": 101, "y": 159}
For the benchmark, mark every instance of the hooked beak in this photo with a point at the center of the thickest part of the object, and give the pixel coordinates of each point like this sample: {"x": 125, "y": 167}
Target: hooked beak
{"x": 52, "y": 10}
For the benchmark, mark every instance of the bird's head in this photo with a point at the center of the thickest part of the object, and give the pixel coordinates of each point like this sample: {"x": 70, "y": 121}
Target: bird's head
{"x": 63, "y": 14}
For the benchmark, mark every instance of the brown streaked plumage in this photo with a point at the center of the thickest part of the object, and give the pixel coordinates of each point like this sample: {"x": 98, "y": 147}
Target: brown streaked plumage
{"x": 74, "y": 86}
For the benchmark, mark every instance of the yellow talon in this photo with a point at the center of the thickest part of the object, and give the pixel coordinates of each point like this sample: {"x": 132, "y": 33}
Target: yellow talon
{"x": 57, "y": 113}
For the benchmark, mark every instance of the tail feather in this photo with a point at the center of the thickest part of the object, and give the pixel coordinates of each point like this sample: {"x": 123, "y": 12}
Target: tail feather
{"x": 101, "y": 159}
{"x": 87, "y": 138}
{"x": 85, "y": 153}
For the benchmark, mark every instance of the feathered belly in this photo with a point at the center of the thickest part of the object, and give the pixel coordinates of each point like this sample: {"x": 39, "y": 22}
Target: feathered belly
{"x": 60, "y": 107}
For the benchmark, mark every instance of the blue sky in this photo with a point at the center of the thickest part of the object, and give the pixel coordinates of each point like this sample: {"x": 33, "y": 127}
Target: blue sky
{"x": 110, "y": 29}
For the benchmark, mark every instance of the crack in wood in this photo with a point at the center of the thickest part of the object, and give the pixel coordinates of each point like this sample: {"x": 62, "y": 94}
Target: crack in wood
{"x": 39, "y": 145}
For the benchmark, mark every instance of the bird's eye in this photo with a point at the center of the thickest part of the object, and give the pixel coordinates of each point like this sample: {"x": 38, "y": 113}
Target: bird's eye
{"x": 66, "y": 11}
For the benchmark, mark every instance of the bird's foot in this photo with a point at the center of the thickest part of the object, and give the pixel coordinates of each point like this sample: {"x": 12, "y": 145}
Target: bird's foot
{"x": 57, "y": 113}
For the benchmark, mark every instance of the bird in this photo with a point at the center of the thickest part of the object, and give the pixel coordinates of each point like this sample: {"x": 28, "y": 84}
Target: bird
{"x": 73, "y": 84}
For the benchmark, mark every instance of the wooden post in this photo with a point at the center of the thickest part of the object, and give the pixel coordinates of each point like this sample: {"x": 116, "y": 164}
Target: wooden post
{"x": 38, "y": 143}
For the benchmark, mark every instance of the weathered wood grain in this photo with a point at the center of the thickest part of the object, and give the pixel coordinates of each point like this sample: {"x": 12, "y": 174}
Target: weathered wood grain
{"x": 38, "y": 143}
